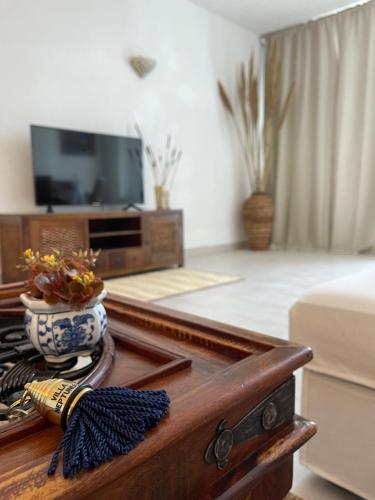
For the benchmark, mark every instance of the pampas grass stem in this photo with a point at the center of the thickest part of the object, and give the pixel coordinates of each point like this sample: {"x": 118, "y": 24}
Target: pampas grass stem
{"x": 257, "y": 131}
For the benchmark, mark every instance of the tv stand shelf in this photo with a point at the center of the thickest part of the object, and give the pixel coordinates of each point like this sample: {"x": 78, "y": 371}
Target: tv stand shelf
{"x": 116, "y": 241}
{"x": 124, "y": 222}
{"x": 104, "y": 234}
{"x": 130, "y": 242}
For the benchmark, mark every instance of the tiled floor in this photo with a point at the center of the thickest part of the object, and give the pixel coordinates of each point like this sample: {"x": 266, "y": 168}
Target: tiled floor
{"x": 272, "y": 281}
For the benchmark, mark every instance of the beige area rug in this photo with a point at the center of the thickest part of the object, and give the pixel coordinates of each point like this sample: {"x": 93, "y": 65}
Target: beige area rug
{"x": 158, "y": 285}
{"x": 290, "y": 496}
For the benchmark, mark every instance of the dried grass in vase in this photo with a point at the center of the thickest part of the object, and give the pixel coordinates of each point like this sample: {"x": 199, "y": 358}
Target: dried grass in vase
{"x": 164, "y": 166}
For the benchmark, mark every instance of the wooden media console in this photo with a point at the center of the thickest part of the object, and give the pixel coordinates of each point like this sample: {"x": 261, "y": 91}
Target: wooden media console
{"x": 130, "y": 241}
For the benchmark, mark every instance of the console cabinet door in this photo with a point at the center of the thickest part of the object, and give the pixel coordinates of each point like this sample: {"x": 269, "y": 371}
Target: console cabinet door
{"x": 164, "y": 239}
{"x": 64, "y": 234}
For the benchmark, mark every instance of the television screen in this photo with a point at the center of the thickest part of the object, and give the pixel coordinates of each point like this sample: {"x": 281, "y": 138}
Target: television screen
{"x": 81, "y": 168}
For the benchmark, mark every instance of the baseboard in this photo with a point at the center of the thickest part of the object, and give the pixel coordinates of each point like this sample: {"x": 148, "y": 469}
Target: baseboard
{"x": 324, "y": 251}
{"x": 228, "y": 247}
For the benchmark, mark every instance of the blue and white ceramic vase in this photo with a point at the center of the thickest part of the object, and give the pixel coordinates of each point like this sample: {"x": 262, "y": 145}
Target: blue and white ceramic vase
{"x": 59, "y": 333}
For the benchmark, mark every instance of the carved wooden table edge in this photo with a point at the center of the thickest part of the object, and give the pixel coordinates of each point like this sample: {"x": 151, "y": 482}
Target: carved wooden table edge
{"x": 238, "y": 464}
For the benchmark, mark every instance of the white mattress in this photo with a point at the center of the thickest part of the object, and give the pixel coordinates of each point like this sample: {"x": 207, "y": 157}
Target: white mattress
{"x": 343, "y": 450}
{"x": 337, "y": 319}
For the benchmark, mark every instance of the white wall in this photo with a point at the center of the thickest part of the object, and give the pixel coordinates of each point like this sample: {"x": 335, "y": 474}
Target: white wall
{"x": 65, "y": 64}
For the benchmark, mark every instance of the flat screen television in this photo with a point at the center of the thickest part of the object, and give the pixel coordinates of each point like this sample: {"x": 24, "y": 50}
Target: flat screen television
{"x": 82, "y": 168}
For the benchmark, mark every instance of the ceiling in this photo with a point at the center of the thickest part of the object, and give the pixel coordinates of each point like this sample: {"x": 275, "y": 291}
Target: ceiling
{"x": 264, "y": 16}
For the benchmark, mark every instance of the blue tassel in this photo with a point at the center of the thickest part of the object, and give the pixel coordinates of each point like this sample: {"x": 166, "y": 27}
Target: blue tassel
{"x": 106, "y": 422}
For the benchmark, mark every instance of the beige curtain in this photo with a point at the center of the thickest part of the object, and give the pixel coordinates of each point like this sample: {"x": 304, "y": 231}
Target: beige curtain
{"x": 325, "y": 159}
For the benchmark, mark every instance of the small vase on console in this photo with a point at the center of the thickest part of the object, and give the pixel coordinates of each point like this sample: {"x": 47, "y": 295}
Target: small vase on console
{"x": 161, "y": 198}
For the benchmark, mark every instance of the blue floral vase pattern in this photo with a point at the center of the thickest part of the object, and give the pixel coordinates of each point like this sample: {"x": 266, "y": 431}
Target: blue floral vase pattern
{"x": 60, "y": 333}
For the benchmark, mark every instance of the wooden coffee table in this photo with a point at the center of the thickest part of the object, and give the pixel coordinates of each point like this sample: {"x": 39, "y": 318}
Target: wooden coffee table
{"x": 231, "y": 431}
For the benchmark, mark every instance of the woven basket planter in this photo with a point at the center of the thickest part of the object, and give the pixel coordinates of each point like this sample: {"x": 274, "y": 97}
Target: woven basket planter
{"x": 258, "y": 214}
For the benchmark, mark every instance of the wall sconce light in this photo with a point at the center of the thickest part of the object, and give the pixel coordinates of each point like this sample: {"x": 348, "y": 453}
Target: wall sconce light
{"x": 142, "y": 65}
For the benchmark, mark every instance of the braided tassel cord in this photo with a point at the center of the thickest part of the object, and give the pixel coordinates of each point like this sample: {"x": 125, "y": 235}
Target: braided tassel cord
{"x": 106, "y": 422}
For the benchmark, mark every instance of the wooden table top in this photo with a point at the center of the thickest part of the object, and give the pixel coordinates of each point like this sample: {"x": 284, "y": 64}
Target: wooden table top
{"x": 212, "y": 372}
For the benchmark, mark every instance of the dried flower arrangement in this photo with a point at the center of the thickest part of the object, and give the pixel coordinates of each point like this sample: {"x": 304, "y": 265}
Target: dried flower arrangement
{"x": 257, "y": 120}
{"x": 164, "y": 166}
{"x": 57, "y": 279}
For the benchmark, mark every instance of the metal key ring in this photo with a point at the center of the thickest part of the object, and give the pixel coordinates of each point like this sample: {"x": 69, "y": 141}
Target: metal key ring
{"x": 16, "y": 413}
{"x": 20, "y": 408}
